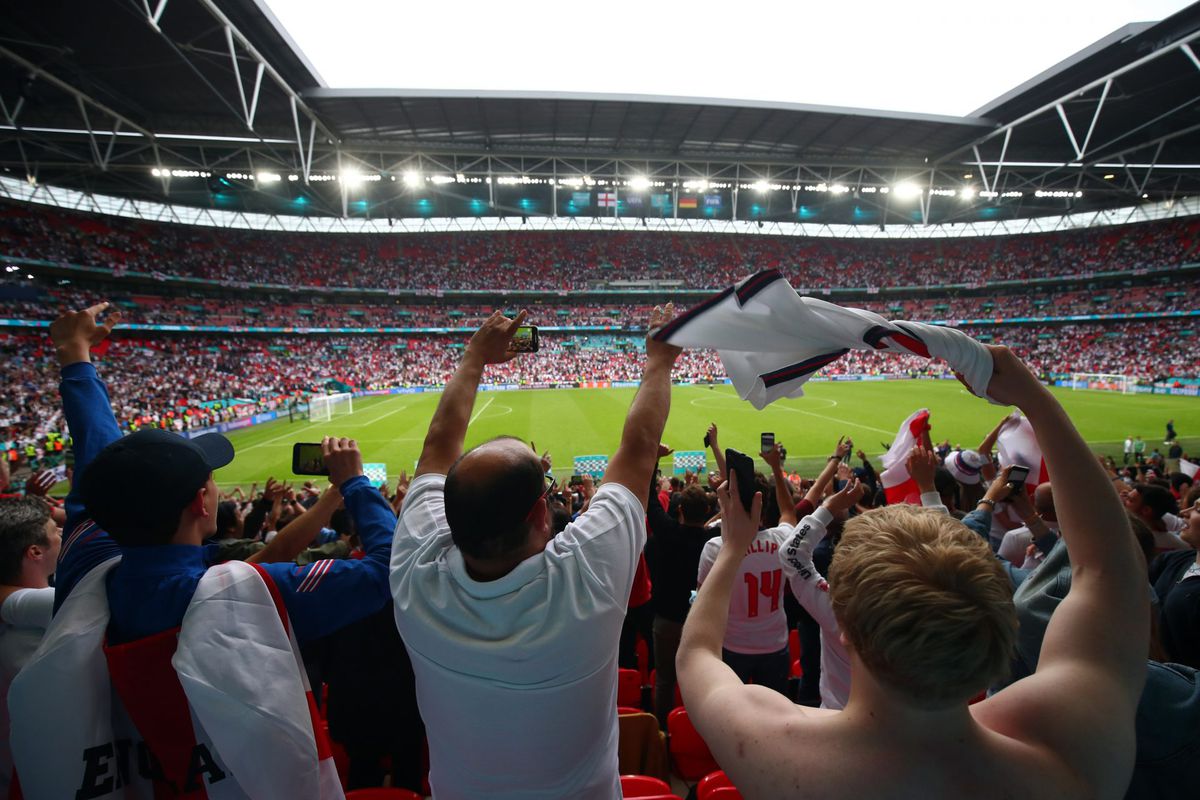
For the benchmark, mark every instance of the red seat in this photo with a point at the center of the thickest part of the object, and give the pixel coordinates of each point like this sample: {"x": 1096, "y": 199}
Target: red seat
{"x": 714, "y": 785}
{"x": 797, "y": 670}
{"x": 691, "y": 759}
{"x": 643, "y": 786}
{"x": 793, "y": 644}
{"x": 628, "y": 710}
{"x": 725, "y": 793}
{"x": 629, "y": 688}
{"x": 383, "y": 793}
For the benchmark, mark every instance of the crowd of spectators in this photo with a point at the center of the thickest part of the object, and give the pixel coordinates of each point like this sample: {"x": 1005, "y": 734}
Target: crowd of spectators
{"x": 30, "y": 300}
{"x": 566, "y": 261}
{"x": 195, "y": 380}
{"x": 483, "y": 602}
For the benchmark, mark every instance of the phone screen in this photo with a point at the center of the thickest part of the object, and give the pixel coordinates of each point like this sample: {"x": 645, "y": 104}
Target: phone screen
{"x": 1017, "y": 476}
{"x": 525, "y": 340}
{"x": 768, "y": 442}
{"x": 742, "y": 465}
{"x": 307, "y": 459}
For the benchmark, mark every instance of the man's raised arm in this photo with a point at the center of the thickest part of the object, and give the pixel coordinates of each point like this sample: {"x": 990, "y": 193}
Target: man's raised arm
{"x": 633, "y": 463}
{"x": 1082, "y": 699}
{"x": 92, "y": 424}
{"x": 448, "y": 428}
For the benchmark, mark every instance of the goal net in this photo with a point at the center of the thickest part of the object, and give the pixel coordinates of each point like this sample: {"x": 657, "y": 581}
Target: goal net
{"x": 1103, "y": 380}
{"x": 324, "y": 407}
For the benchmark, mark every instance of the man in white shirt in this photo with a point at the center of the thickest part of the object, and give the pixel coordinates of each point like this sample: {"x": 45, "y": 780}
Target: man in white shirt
{"x": 513, "y": 631}
{"x": 1128, "y": 450}
{"x": 29, "y": 545}
{"x": 756, "y": 645}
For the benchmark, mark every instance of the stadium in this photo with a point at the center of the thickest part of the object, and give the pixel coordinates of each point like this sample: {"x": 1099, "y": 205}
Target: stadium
{"x": 286, "y": 260}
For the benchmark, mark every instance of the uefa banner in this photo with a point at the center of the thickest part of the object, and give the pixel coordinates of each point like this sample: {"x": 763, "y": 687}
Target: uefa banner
{"x": 695, "y": 461}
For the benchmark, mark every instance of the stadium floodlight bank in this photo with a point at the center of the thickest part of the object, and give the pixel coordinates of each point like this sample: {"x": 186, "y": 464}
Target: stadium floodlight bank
{"x": 1104, "y": 381}
{"x": 324, "y": 407}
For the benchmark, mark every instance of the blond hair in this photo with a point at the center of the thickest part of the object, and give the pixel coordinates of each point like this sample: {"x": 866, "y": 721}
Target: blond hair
{"x": 924, "y": 603}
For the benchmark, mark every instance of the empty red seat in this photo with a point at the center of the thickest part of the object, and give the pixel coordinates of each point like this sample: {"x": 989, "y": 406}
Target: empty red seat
{"x": 716, "y": 785}
{"x": 643, "y": 786}
{"x": 691, "y": 759}
{"x": 629, "y": 688}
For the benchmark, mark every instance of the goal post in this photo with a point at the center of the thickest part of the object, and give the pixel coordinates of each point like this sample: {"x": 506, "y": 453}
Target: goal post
{"x": 1105, "y": 381}
{"x": 324, "y": 407}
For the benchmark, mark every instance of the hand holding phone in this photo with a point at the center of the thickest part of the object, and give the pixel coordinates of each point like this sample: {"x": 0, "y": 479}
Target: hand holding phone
{"x": 1016, "y": 476}
{"x": 525, "y": 340}
{"x": 767, "y": 443}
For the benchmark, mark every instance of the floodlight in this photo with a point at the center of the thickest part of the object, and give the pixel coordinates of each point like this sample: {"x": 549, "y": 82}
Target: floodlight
{"x": 1109, "y": 176}
{"x": 760, "y": 186}
{"x": 412, "y": 178}
{"x": 639, "y": 183}
{"x": 268, "y": 177}
{"x": 351, "y": 177}
{"x": 967, "y": 193}
{"x": 906, "y": 190}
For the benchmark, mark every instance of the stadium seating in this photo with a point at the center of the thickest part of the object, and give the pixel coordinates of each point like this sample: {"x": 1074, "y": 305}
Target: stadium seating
{"x": 716, "y": 785}
{"x": 691, "y": 759}
{"x": 643, "y": 786}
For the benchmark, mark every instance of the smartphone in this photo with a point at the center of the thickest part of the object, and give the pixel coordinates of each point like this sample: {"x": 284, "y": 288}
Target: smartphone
{"x": 742, "y": 465}
{"x": 707, "y": 440}
{"x": 767, "y": 444}
{"x": 307, "y": 459}
{"x": 576, "y": 480}
{"x": 849, "y": 450}
{"x": 1017, "y": 476}
{"x": 525, "y": 340}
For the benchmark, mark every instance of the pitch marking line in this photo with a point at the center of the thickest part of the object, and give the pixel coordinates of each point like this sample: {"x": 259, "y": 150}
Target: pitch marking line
{"x": 475, "y": 416}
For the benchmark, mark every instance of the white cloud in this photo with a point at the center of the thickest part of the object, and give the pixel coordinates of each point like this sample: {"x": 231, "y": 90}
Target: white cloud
{"x": 934, "y": 56}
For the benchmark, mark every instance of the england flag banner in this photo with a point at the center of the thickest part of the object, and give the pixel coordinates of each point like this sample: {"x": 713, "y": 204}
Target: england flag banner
{"x": 771, "y": 340}
{"x": 898, "y": 484}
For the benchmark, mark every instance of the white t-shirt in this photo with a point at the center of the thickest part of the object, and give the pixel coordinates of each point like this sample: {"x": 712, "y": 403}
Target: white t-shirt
{"x": 757, "y": 622}
{"x": 517, "y": 677}
{"x": 25, "y": 615}
{"x": 1017, "y": 541}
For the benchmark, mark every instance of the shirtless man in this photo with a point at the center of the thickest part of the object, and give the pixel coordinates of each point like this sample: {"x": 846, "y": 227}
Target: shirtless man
{"x": 927, "y": 634}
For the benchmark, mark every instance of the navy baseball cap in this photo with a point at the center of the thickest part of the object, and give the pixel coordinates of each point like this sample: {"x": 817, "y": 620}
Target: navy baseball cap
{"x": 142, "y": 479}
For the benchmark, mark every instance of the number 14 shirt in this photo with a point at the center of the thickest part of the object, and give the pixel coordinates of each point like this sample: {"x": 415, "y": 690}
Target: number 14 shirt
{"x": 757, "y": 623}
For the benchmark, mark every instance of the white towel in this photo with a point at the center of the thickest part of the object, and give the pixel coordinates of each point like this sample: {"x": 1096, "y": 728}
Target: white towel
{"x": 771, "y": 340}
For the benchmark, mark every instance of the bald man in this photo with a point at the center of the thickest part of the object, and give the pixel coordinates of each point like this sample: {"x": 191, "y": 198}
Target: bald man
{"x": 512, "y": 630}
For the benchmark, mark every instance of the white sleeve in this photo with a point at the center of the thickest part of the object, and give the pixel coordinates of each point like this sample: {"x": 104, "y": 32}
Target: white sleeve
{"x": 608, "y": 539}
{"x": 423, "y": 515}
{"x": 1012, "y": 549}
{"x": 807, "y": 584}
{"x": 708, "y": 557}
{"x": 29, "y": 608}
{"x": 933, "y": 500}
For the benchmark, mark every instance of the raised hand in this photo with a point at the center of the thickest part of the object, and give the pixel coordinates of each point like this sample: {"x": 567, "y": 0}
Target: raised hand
{"x": 847, "y": 498}
{"x": 75, "y": 332}
{"x": 491, "y": 342}
{"x": 274, "y": 490}
{"x": 664, "y": 450}
{"x": 342, "y": 458}
{"x": 843, "y": 447}
{"x": 738, "y": 528}
{"x": 661, "y": 351}
{"x": 773, "y": 457}
{"x": 922, "y": 464}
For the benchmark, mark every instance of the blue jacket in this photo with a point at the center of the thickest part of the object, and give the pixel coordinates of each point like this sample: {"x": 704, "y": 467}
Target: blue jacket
{"x": 150, "y": 589}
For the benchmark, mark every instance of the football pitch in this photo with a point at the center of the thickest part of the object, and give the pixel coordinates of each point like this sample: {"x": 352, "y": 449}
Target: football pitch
{"x": 571, "y": 422}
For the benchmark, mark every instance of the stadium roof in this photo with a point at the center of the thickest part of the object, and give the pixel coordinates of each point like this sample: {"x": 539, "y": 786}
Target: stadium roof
{"x": 207, "y": 102}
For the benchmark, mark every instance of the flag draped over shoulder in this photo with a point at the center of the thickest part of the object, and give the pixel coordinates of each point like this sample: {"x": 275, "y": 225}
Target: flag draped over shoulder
{"x": 898, "y": 484}
{"x": 771, "y": 340}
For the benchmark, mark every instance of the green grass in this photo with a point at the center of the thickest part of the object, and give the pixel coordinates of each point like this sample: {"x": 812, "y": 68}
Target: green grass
{"x": 571, "y": 422}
